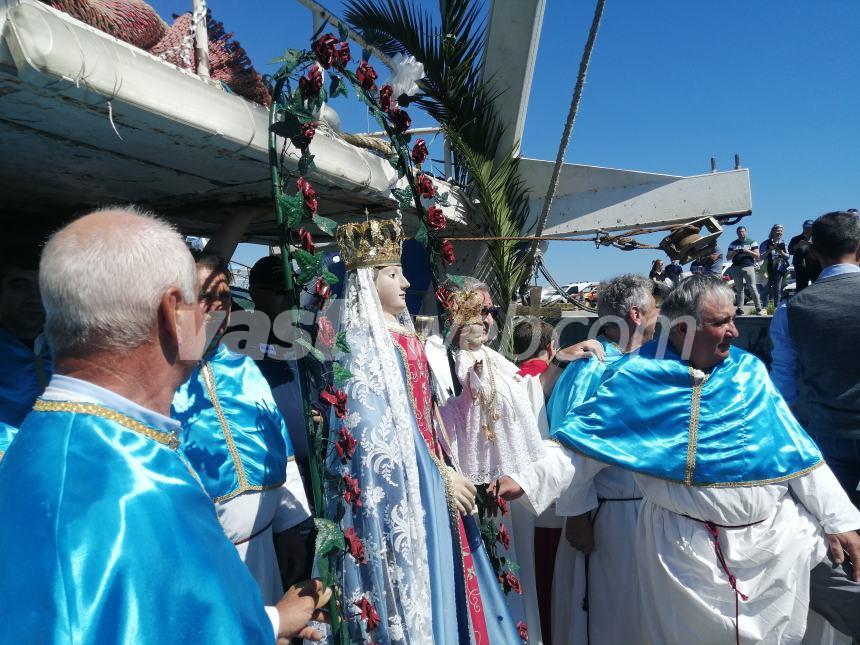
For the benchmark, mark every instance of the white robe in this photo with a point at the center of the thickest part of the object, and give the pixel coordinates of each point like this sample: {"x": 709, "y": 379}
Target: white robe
{"x": 522, "y": 524}
{"x": 258, "y": 515}
{"x": 609, "y": 583}
{"x": 684, "y": 594}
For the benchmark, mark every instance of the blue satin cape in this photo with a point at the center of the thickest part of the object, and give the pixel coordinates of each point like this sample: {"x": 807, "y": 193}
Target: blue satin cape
{"x": 111, "y": 539}
{"x": 734, "y": 430}
{"x": 23, "y": 377}
{"x": 250, "y": 450}
{"x": 578, "y": 382}
{"x": 7, "y": 433}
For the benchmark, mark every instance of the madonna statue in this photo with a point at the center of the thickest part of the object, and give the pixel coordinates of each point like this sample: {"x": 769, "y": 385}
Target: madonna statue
{"x": 416, "y": 571}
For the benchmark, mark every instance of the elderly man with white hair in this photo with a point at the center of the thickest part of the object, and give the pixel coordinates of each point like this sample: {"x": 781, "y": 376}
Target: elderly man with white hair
{"x": 738, "y": 505}
{"x": 594, "y": 568}
{"x": 108, "y": 535}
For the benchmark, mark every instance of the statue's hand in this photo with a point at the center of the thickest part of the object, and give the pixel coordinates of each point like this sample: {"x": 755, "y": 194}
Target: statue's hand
{"x": 463, "y": 492}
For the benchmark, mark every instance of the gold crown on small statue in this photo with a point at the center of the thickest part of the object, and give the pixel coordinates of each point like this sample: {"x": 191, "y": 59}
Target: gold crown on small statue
{"x": 372, "y": 243}
{"x": 467, "y": 307}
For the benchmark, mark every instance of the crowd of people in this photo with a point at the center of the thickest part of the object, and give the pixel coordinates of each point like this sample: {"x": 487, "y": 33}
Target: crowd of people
{"x": 759, "y": 272}
{"x": 663, "y": 486}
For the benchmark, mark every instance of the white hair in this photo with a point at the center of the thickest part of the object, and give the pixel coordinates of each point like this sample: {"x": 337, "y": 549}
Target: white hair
{"x": 102, "y": 288}
{"x": 686, "y": 298}
{"x": 619, "y": 295}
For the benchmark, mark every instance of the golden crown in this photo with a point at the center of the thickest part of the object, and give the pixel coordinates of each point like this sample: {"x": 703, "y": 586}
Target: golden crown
{"x": 467, "y": 307}
{"x": 373, "y": 243}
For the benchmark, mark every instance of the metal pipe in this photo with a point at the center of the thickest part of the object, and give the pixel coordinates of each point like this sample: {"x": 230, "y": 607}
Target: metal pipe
{"x": 428, "y": 130}
{"x": 713, "y": 164}
{"x": 737, "y": 161}
{"x": 447, "y": 160}
{"x": 201, "y": 40}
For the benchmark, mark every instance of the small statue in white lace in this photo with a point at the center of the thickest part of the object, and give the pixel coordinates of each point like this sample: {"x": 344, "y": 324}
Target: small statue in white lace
{"x": 496, "y": 430}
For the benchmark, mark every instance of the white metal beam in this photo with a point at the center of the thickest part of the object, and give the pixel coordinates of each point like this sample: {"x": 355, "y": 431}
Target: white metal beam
{"x": 509, "y": 60}
{"x": 591, "y": 198}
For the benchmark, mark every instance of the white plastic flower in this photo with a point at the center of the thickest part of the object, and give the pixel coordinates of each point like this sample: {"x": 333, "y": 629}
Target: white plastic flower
{"x": 406, "y": 75}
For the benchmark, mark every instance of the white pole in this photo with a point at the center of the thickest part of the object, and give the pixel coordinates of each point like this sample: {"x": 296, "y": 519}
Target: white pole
{"x": 201, "y": 39}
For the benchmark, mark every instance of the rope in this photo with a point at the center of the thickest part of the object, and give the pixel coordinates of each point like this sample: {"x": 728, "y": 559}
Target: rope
{"x": 713, "y": 531}
{"x": 546, "y": 274}
{"x": 565, "y": 138}
{"x": 371, "y": 143}
{"x": 621, "y": 241}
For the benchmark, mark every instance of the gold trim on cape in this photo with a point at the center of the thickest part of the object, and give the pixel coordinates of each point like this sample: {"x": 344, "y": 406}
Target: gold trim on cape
{"x": 693, "y": 432}
{"x": 166, "y": 438}
{"x": 244, "y": 487}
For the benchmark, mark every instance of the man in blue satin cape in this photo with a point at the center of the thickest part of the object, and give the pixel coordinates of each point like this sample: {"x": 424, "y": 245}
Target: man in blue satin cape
{"x": 738, "y": 505}
{"x": 25, "y": 362}
{"x": 109, "y": 535}
{"x": 236, "y": 439}
{"x": 594, "y": 569}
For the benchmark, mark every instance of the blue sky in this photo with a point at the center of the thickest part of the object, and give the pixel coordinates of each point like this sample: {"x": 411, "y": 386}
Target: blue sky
{"x": 671, "y": 84}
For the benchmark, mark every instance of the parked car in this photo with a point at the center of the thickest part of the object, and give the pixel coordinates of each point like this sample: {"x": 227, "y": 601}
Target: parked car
{"x": 582, "y": 291}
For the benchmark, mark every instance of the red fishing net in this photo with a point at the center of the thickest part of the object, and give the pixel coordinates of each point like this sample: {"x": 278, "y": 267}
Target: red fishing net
{"x": 138, "y": 24}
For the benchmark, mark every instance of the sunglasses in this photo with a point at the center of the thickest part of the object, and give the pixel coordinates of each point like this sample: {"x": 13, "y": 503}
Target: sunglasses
{"x": 491, "y": 311}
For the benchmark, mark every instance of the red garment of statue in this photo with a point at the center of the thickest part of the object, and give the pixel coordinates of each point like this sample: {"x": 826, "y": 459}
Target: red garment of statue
{"x": 418, "y": 387}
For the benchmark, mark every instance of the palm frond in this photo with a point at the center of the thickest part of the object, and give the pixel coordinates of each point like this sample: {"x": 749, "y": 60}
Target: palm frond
{"x": 457, "y": 96}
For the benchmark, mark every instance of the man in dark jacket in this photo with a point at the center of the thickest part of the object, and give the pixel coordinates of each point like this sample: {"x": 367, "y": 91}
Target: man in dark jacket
{"x": 815, "y": 337}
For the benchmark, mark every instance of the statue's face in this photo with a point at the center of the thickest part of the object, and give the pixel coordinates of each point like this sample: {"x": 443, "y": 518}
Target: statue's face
{"x": 391, "y": 286}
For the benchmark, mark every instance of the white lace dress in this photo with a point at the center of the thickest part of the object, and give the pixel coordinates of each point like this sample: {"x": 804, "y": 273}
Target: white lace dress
{"x": 496, "y": 430}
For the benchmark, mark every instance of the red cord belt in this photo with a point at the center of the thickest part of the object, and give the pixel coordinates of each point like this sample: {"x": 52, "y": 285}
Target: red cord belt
{"x": 721, "y": 559}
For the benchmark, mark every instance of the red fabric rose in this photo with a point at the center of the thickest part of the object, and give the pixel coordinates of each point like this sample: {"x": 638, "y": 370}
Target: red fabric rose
{"x": 311, "y": 84}
{"x": 425, "y": 186}
{"x": 324, "y": 48}
{"x": 510, "y": 582}
{"x": 447, "y": 250}
{"x": 504, "y": 537}
{"x": 325, "y": 332}
{"x": 308, "y": 193}
{"x": 336, "y": 398}
{"x": 499, "y": 503}
{"x": 354, "y": 546}
{"x": 419, "y": 151}
{"x": 352, "y": 492}
{"x": 345, "y": 445}
{"x": 366, "y": 75}
{"x": 305, "y": 136}
{"x": 436, "y": 218}
{"x": 368, "y": 613}
{"x": 385, "y": 98}
{"x": 523, "y": 631}
{"x": 400, "y": 119}
{"x": 322, "y": 291}
{"x": 306, "y": 240}
{"x": 343, "y": 55}
{"x": 444, "y": 295}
